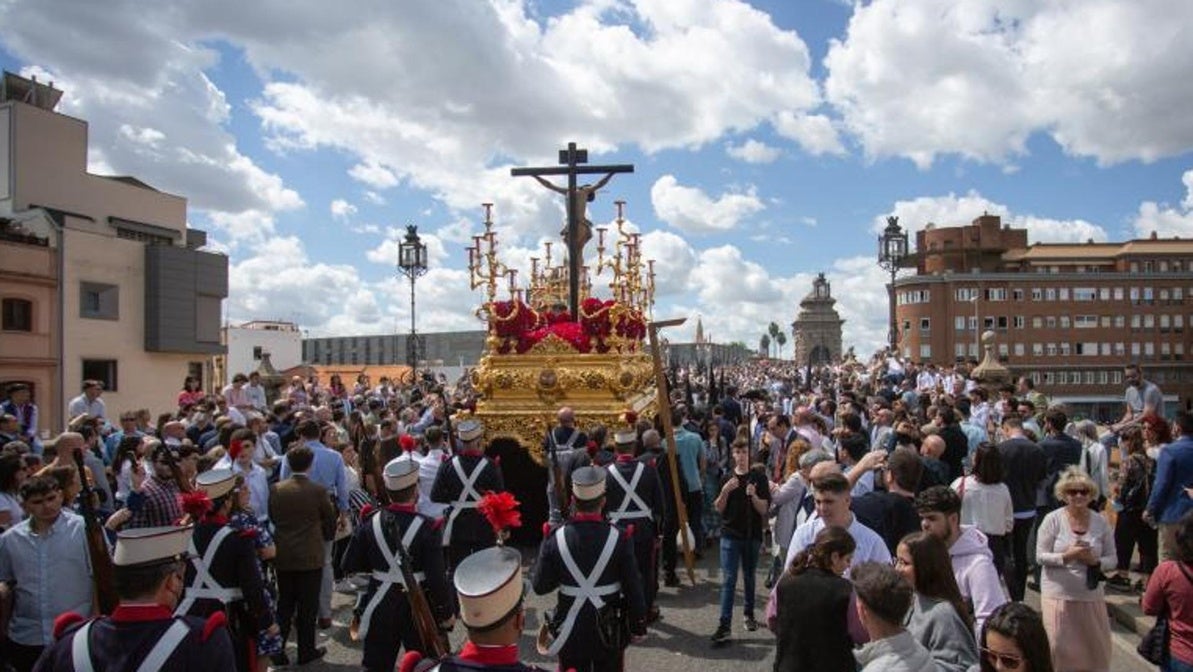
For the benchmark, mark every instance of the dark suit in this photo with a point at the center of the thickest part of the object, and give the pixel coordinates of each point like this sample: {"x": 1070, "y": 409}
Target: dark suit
{"x": 303, "y": 518}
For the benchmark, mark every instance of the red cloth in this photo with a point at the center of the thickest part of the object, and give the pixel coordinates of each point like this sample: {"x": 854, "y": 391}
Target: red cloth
{"x": 489, "y": 655}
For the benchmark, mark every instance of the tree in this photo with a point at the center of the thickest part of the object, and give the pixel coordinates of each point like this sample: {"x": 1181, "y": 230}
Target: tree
{"x": 781, "y": 339}
{"x": 774, "y": 331}
{"x": 764, "y": 346}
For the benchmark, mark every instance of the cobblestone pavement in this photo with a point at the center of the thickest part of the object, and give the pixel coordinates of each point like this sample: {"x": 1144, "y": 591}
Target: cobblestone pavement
{"x": 689, "y": 618}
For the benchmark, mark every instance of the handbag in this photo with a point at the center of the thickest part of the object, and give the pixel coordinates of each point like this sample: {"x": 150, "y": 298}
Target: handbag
{"x": 1154, "y": 645}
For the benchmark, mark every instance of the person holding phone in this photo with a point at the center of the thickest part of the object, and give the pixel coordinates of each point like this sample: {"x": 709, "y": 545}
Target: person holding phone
{"x": 743, "y": 502}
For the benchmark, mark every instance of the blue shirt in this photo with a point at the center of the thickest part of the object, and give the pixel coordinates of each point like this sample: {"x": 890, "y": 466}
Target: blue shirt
{"x": 689, "y": 446}
{"x": 52, "y": 574}
{"x": 327, "y": 470}
{"x": 1174, "y": 472}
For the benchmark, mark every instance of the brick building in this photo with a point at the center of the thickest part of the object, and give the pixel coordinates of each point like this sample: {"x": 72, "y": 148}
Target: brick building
{"x": 1068, "y": 315}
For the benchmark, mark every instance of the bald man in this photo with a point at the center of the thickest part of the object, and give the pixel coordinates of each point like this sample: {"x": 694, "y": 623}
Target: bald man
{"x": 565, "y": 449}
{"x": 936, "y": 472}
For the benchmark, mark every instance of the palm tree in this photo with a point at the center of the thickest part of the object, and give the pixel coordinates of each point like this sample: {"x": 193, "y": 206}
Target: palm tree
{"x": 773, "y": 330}
{"x": 764, "y": 345}
{"x": 781, "y": 339}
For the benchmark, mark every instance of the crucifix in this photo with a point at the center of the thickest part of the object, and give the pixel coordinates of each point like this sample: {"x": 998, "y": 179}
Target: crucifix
{"x": 579, "y": 229}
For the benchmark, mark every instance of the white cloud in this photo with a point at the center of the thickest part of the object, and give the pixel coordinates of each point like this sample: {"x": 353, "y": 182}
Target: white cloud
{"x": 341, "y": 209}
{"x": 753, "y": 151}
{"x": 374, "y": 175}
{"x": 921, "y": 78}
{"x": 815, "y": 133}
{"x": 1165, "y": 220}
{"x": 953, "y": 210}
{"x": 691, "y": 210}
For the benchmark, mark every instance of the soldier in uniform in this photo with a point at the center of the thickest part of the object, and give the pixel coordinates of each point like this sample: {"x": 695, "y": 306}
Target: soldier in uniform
{"x": 490, "y": 589}
{"x": 142, "y": 633}
{"x": 634, "y": 502}
{"x": 652, "y": 453}
{"x": 223, "y": 574}
{"x": 566, "y": 449}
{"x": 461, "y": 481}
{"x": 386, "y": 623}
{"x": 591, "y": 562}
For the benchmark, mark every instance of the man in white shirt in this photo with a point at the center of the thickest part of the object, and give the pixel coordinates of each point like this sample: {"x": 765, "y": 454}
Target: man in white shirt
{"x": 256, "y": 392}
{"x": 428, "y": 468}
{"x": 831, "y": 494}
{"x": 88, "y": 402}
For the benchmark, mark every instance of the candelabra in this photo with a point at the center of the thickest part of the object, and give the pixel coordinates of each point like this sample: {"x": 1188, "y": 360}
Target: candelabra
{"x": 485, "y": 268}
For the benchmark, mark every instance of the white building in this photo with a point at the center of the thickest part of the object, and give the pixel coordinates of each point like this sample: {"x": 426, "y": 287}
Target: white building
{"x": 246, "y": 343}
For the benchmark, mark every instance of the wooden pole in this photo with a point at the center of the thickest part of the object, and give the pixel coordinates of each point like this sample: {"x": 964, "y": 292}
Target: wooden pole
{"x": 664, "y": 402}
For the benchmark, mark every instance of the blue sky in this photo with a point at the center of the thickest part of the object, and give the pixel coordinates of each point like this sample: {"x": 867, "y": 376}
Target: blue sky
{"x": 769, "y": 138}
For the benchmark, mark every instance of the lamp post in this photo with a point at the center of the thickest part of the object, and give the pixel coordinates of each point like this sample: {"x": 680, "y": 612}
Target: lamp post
{"x": 412, "y": 261}
{"x": 892, "y": 249}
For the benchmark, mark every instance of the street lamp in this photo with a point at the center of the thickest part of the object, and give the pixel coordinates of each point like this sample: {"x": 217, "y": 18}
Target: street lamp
{"x": 892, "y": 249}
{"x": 412, "y": 261}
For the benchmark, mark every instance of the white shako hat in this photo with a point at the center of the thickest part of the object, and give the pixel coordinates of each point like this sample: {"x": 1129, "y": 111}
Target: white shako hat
{"x": 400, "y": 473}
{"x": 469, "y": 429}
{"x": 145, "y": 546}
{"x": 216, "y": 482}
{"x": 588, "y": 483}
{"x": 626, "y": 436}
{"x": 489, "y": 586}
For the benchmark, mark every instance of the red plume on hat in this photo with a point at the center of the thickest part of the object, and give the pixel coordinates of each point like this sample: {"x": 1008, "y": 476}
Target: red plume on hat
{"x": 196, "y": 504}
{"x": 501, "y": 510}
{"x": 629, "y": 417}
{"x": 407, "y": 443}
{"x": 235, "y": 448}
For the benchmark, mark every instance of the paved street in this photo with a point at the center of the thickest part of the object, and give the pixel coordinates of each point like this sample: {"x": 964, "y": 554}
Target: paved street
{"x": 689, "y": 618}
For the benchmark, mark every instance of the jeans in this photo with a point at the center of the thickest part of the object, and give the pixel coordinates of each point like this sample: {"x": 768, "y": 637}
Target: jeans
{"x": 1174, "y": 665}
{"x": 737, "y": 552}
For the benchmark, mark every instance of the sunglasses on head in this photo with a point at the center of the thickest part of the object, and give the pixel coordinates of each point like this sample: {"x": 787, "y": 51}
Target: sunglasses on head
{"x": 1006, "y": 660}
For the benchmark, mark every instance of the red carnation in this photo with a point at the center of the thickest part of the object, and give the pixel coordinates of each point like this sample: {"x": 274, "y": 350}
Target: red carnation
{"x": 407, "y": 443}
{"x": 501, "y": 510}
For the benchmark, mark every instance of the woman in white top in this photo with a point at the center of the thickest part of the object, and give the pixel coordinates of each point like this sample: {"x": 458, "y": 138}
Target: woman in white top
{"x": 12, "y": 474}
{"x": 1074, "y": 545}
{"x": 986, "y": 502}
{"x": 128, "y": 456}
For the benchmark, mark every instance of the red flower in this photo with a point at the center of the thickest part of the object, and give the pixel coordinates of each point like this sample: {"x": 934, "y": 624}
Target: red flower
{"x": 501, "y": 510}
{"x": 407, "y": 443}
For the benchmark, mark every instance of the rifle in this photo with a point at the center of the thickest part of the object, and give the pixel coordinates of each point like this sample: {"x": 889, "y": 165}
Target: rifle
{"x": 434, "y": 640}
{"x": 97, "y": 547}
{"x": 557, "y": 471}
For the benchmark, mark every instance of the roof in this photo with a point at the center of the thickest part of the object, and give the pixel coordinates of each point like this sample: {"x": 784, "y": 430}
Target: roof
{"x": 128, "y": 179}
{"x": 1106, "y": 251}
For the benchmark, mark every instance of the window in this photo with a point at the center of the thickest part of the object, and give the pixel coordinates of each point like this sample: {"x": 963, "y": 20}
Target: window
{"x": 1037, "y": 322}
{"x": 1050, "y": 320}
{"x": 1106, "y": 349}
{"x": 1050, "y": 348}
{"x": 1065, "y": 347}
{"x": 926, "y": 352}
{"x": 1050, "y": 294}
{"x": 1017, "y": 294}
{"x": 1087, "y": 321}
{"x": 103, "y": 370}
{"x": 1063, "y": 294}
{"x": 100, "y": 302}
{"x": 257, "y": 352}
{"x": 1049, "y": 377}
{"x": 1105, "y": 321}
{"x": 987, "y": 323}
{"x": 1037, "y": 294}
{"x": 1149, "y": 349}
{"x": 1037, "y": 349}
{"x": 999, "y": 294}
{"x": 1116, "y": 377}
{"x": 1178, "y": 294}
{"x": 1089, "y": 377}
{"x": 1134, "y": 294}
{"x": 1084, "y": 293}
{"x": 1018, "y": 349}
{"x": 1120, "y": 321}
{"x": 972, "y": 322}
{"x": 966, "y": 293}
{"x": 1149, "y": 321}
{"x": 1178, "y": 322}
{"x": 1019, "y": 321}
{"x": 18, "y": 315}
{"x": 1136, "y": 321}
{"x": 959, "y": 323}
{"x": 1103, "y": 377}
{"x": 1136, "y": 350}
{"x": 1118, "y": 293}
{"x": 1104, "y": 293}
{"x": 959, "y": 350}
{"x": 1148, "y": 295}
{"x": 1163, "y": 294}
{"x": 925, "y": 324}
{"x": 1003, "y": 350}
{"x": 1064, "y": 321}
{"x": 1165, "y": 323}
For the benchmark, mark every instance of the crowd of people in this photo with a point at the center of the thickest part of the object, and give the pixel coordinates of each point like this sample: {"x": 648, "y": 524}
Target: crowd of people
{"x": 898, "y": 513}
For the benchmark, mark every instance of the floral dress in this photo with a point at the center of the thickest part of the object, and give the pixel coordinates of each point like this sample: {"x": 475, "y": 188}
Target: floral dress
{"x": 246, "y": 523}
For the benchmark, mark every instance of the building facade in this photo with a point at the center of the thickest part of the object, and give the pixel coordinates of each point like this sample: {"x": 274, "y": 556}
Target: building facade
{"x": 816, "y": 332}
{"x": 1070, "y": 316}
{"x": 29, "y": 330}
{"x": 139, "y": 301}
{"x": 445, "y": 349}
{"x": 247, "y": 342}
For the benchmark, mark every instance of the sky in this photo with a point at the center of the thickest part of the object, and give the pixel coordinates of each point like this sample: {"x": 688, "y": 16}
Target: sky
{"x": 770, "y": 139}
